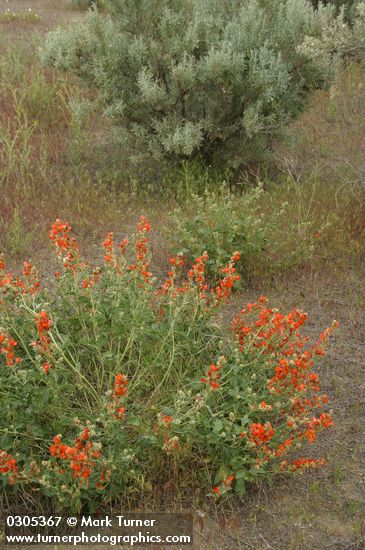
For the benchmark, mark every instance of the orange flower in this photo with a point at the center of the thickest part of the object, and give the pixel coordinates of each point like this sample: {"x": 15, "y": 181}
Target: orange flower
{"x": 81, "y": 457}
{"x": 301, "y": 463}
{"x": 120, "y": 412}
{"x": 43, "y": 324}
{"x": 7, "y": 346}
{"x": 119, "y": 391}
{"x": 60, "y": 236}
{"x": 167, "y": 420}
{"x": 8, "y": 466}
{"x": 228, "y": 480}
{"x": 260, "y": 434}
{"x": 46, "y": 367}
{"x": 143, "y": 225}
{"x": 85, "y": 434}
{"x": 213, "y": 374}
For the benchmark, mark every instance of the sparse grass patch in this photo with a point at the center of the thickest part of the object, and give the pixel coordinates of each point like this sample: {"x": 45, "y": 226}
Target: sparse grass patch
{"x": 28, "y": 16}
{"x": 35, "y": 119}
{"x": 328, "y": 137}
{"x": 14, "y": 236}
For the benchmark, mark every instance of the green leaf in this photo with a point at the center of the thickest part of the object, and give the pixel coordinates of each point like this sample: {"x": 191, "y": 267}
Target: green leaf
{"x": 221, "y": 474}
{"x": 240, "y": 487}
{"x": 134, "y": 420}
{"x": 148, "y": 440}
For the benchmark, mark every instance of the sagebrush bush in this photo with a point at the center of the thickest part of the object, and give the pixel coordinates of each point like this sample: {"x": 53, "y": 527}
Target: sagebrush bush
{"x": 347, "y": 5}
{"x": 339, "y": 39}
{"x": 106, "y": 387}
{"x": 210, "y": 79}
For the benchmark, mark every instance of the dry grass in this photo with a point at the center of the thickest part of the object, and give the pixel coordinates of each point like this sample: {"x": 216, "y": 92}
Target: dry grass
{"x": 324, "y": 182}
{"x": 329, "y": 138}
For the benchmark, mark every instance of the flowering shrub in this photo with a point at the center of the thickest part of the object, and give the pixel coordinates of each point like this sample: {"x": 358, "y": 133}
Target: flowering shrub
{"x": 259, "y": 402}
{"x": 104, "y": 374}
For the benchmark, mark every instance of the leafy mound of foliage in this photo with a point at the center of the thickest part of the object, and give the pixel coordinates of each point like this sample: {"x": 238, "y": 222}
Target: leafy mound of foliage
{"x": 110, "y": 381}
{"x": 271, "y": 240}
{"x": 210, "y": 79}
{"x": 220, "y": 222}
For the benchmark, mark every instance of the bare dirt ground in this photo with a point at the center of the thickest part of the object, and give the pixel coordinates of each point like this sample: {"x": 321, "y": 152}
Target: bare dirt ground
{"x": 317, "y": 510}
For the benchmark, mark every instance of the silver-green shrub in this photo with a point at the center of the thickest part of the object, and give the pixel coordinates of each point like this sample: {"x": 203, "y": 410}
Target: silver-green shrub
{"x": 215, "y": 79}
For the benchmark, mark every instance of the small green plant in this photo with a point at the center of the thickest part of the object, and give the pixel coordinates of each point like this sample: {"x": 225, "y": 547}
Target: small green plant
{"x": 79, "y": 112}
{"x": 220, "y": 222}
{"x": 15, "y": 238}
{"x": 106, "y": 388}
{"x": 16, "y": 150}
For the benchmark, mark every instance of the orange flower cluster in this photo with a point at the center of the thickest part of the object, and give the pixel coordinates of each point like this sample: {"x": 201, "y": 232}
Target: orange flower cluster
{"x": 171, "y": 444}
{"x": 270, "y": 324}
{"x": 302, "y": 463}
{"x": 227, "y": 482}
{"x": 43, "y": 324}
{"x": 197, "y": 273}
{"x": 312, "y": 427}
{"x": 8, "y": 466}
{"x": 277, "y": 334}
{"x": 92, "y": 280}
{"x": 60, "y": 235}
{"x": 118, "y": 392}
{"x": 212, "y": 375}
{"x": 278, "y": 338}
{"x": 141, "y": 249}
{"x": 259, "y": 434}
{"x": 7, "y": 345}
{"x": 167, "y": 421}
{"x": 224, "y": 287}
{"x": 108, "y": 244}
{"x": 120, "y": 386}
{"x": 171, "y": 276}
{"x": 197, "y": 278}
{"x": 110, "y": 257}
{"x": 30, "y": 285}
{"x": 123, "y": 245}
{"x": 81, "y": 457}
